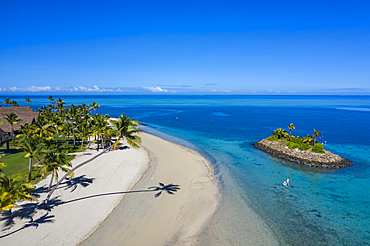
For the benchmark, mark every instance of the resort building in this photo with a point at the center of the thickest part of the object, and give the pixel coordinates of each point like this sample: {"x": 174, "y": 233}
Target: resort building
{"x": 26, "y": 116}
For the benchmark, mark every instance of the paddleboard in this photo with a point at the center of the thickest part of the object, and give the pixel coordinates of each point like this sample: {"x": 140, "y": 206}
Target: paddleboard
{"x": 287, "y": 186}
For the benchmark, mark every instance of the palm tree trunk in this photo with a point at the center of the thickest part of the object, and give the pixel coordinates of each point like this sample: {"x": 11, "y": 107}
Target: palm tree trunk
{"x": 73, "y": 133}
{"x": 102, "y": 145}
{"x": 51, "y": 181}
{"x": 11, "y": 130}
{"x": 29, "y": 169}
{"x": 56, "y": 134}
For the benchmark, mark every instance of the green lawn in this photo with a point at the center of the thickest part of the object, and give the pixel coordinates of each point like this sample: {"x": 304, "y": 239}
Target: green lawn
{"x": 15, "y": 162}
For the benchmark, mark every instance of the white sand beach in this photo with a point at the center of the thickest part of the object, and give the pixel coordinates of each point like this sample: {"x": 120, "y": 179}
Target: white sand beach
{"x": 85, "y": 209}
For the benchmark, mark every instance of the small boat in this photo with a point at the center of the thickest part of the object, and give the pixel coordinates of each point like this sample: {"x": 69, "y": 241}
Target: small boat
{"x": 287, "y": 186}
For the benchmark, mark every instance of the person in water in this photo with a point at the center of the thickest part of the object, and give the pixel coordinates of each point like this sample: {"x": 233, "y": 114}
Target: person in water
{"x": 284, "y": 183}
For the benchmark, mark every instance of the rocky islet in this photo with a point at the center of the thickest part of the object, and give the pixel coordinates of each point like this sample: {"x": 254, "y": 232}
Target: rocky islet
{"x": 303, "y": 157}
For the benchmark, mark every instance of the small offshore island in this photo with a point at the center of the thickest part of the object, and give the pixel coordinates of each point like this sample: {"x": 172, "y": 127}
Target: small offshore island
{"x": 301, "y": 150}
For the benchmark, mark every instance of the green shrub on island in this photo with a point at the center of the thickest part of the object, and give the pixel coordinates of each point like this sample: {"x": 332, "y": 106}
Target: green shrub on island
{"x": 318, "y": 148}
{"x": 273, "y": 137}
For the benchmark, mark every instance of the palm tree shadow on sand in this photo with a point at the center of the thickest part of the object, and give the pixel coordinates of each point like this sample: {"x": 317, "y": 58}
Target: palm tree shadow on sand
{"x": 28, "y": 211}
{"x": 46, "y": 218}
{"x": 170, "y": 189}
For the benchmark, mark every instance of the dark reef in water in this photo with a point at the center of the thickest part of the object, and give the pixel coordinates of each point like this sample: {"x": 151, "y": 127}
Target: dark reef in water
{"x": 304, "y": 157}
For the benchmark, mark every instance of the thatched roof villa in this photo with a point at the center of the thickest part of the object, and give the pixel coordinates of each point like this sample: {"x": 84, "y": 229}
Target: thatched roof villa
{"x": 25, "y": 113}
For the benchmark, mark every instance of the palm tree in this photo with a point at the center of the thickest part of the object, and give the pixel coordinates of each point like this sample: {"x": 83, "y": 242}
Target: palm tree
{"x": 13, "y": 190}
{"x": 52, "y": 102}
{"x": 126, "y": 129}
{"x": 33, "y": 148}
{"x": 71, "y": 114}
{"x": 109, "y": 134}
{"x": 66, "y": 130}
{"x": 14, "y": 104}
{"x": 53, "y": 161}
{"x": 316, "y": 135}
{"x": 7, "y": 101}
{"x": 27, "y": 131}
{"x": 94, "y": 106}
{"x": 12, "y": 119}
{"x": 291, "y": 128}
{"x": 28, "y": 100}
{"x": 42, "y": 129}
{"x": 100, "y": 125}
{"x": 84, "y": 126}
{"x": 308, "y": 139}
{"x": 280, "y": 133}
{"x": 60, "y": 107}
{"x": 56, "y": 123}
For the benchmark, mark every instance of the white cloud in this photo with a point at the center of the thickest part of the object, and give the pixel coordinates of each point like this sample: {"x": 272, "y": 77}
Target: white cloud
{"x": 214, "y": 90}
{"x": 31, "y": 88}
{"x": 155, "y": 89}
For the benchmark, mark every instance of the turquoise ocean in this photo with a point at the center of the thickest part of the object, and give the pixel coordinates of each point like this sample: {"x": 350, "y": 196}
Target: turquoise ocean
{"x": 324, "y": 207}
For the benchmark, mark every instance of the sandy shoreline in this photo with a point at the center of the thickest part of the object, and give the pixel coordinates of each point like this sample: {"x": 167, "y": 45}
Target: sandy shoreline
{"x": 81, "y": 207}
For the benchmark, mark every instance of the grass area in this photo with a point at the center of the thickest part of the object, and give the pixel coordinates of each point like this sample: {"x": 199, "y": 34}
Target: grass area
{"x": 15, "y": 162}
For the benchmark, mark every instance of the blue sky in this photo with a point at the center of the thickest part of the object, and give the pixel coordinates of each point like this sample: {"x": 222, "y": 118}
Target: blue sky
{"x": 185, "y": 47}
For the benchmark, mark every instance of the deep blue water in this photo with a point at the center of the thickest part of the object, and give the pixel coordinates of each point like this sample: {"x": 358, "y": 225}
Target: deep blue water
{"x": 324, "y": 207}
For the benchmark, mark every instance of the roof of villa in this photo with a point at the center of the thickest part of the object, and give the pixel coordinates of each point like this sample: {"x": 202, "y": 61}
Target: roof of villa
{"x": 25, "y": 113}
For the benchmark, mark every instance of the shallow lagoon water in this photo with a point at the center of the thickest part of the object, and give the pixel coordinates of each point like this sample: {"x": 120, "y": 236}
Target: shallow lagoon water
{"x": 324, "y": 207}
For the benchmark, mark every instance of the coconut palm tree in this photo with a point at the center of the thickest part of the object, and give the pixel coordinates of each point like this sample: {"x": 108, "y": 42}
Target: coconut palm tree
{"x": 109, "y": 134}
{"x": 12, "y": 119}
{"x": 54, "y": 161}
{"x": 13, "y": 190}
{"x": 7, "y": 101}
{"x": 291, "y": 128}
{"x": 56, "y": 122}
{"x": 84, "y": 128}
{"x": 52, "y": 102}
{"x": 126, "y": 129}
{"x": 33, "y": 148}
{"x": 60, "y": 107}
{"x": 94, "y": 106}
{"x": 14, "y": 104}
{"x": 28, "y": 101}
{"x": 43, "y": 129}
{"x": 316, "y": 135}
{"x": 308, "y": 140}
{"x": 280, "y": 133}
{"x": 71, "y": 115}
{"x": 100, "y": 125}
{"x": 27, "y": 131}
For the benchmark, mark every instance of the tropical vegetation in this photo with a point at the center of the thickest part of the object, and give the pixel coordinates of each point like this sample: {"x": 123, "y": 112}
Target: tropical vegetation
{"x": 49, "y": 142}
{"x": 302, "y": 143}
